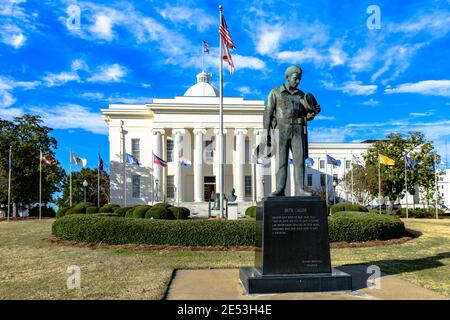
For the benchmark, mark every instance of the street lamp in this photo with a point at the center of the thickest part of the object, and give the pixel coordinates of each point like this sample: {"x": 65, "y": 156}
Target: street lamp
{"x": 157, "y": 189}
{"x": 85, "y": 184}
{"x": 334, "y": 190}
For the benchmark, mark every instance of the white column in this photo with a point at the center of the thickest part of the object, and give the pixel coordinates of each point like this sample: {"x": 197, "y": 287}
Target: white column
{"x": 217, "y": 159}
{"x": 198, "y": 165}
{"x": 239, "y": 179}
{"x": 157, "y": 169}
{"x": 177, "y": 149}
{"x": 273, "y": 171}
{"x": 259, "y": 169}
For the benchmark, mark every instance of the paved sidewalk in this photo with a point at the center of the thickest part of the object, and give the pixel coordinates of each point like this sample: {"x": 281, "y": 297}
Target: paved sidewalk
{"x": 224, "y": 284}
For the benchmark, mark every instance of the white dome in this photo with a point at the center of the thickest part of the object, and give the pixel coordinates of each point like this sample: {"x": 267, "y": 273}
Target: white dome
{"x": 202, "y": 88}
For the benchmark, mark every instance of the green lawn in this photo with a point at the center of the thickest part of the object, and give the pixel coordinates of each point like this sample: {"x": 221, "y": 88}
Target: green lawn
{"x": 31, "y": 268}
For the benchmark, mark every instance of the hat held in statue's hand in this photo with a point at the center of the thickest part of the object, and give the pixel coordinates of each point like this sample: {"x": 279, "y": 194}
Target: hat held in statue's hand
{"x": 310, "y": 103}
{"x": 263, "y": 150}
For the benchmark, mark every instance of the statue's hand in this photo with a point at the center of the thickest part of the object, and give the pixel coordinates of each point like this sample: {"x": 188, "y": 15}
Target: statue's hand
{"x": 267, "y": 140}
{"x": 318, "y": 108}
{"x": 310, "y": 116}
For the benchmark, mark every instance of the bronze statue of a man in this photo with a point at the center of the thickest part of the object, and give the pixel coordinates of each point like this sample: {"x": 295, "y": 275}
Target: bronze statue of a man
{"x": 285, "y": 119}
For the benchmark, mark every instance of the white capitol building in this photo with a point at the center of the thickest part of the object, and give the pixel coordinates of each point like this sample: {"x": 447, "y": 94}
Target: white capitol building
{"x": 190, "y": 123}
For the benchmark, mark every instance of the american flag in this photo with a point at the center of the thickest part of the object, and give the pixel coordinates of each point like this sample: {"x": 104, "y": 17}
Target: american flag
{"x": 227, "y": 43}
{"x": 157, "y": 160}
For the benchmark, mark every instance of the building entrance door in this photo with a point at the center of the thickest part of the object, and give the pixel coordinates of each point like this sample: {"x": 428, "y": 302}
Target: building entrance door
{"x": 209, "y": 187}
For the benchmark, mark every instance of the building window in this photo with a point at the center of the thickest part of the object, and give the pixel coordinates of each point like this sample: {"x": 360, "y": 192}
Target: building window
{"x": 347, "y": 164}
{"x": 248, "y": 186}
{"x": 209, "y": 149}
{"x": 322, "y": 180}
{"x": 136, "y": 184}
{"x": 170, "y": 186}
{"x": 322, "y": 164}
{"x": 135, "y": 150}
{"x": 169, "y": 149}
{"x": 309, "y": 177}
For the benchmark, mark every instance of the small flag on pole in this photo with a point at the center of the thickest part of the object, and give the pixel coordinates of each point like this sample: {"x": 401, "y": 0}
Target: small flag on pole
{"x": 333, "y": 161}
{"x": 132, "y": 160}
{"x": 386, "y": 160}
{"x": 101, "y": 164}
{"x": 356, "y": 160}
{"x": 185, "y": 162}
{"x": 225, "y": 36}
{"x": 409, "y": 162}
{"x": 205, "y": 47}
{"x": 157, "y": 160}
{"x": 81, "y": 162}
{"x": 290, "y": 161}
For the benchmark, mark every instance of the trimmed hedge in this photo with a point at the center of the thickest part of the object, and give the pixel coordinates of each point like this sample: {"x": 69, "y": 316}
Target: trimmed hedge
{"x": 91, "y": 210}
{"x": 345, "y": 206}
{"x": 121, "y": 212}
{"x": 139, "y": 211}
{"x": 251, "y": 211}
{"x": 62, "y": 211}
{"x": 357, "y": 226}
{"x": 159, "y": 212}
{"x": 108, "y": 208}
{"x": 80, "y": 208}
{"x": 103, "y": 227}
{"x": 163, "y": 204}
{"x": 180, "y": 212}
{"x": 418, "y": 213}
{"x": 192, "y": 232}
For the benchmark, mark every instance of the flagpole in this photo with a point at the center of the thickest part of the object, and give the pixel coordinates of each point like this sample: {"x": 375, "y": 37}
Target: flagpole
{"x": 203, "y": 53}
{"x": 98, "y": 181}
{"x": 40, "y": 184}
{"x": 379, "y": 183}
{"x": 406, "y": 186}
{"x": 436, "y": 186}
{"x": 70, "y": 178}
{"x": 9, "y": 180}
{"x": 326, "y": 176}
{"x": 221, "y": 121}
{"x": 353, "y": 168}
{"x": 124, "y": 157}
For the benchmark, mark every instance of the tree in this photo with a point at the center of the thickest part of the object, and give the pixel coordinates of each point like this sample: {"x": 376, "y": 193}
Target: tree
{"x": 90, "y": 175}
{"x": 365, "y": 183}
{"x": 418, "y": 149}
{"x": 26, "y": 135}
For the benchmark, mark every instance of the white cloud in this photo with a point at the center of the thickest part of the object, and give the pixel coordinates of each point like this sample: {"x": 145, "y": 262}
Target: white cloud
{"x": 16, "y": 23}
{"x": 337, "y": 55}
{"x": 79, "y": 64}
{"x": 436, "y": 24}
{"x": 353, "y": 88}
{"x": 427, "y": 87}
{"x": 102, "y": 27}
{"x": 10, "y": 113}
{"x": 326, "y": 134}
{"x": 72, "y": 116}
{"x": 301, "y": 56}
{"x": 108, "y": 73}
{"x": 247, "y": 62}
{"x": 268, "y": 38}
{"x": 12, "y": 36}
{"x": 421, "y": 114}
{"x": 146, "y": 85}
{"x": 247, "y": 91}
{"x": 192, "y": 17}
{"x": 93, "y": 95}
{"x": 371, "y": 102}
{"x": 322, "y": 117}
{"x": 59, "y": 79}
{"x": 7, "y": 86}
{"x": 129, "y": 100}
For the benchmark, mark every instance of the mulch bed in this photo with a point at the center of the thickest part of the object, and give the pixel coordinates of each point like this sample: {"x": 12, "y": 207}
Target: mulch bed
{"x": 154, "y": 247}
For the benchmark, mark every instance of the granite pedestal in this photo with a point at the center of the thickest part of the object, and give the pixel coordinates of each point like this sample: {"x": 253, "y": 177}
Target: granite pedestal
{"x": 293, "y": 252}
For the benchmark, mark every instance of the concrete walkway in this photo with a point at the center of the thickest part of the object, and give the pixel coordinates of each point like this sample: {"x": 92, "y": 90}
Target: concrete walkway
{"x": 224, "y": 284}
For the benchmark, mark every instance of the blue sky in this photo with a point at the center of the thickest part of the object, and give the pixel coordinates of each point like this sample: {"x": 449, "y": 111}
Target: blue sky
{"x": 369, "y": 82}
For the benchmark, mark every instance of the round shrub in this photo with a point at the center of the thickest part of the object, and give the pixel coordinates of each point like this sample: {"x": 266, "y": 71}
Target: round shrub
{"x": 180, "y": 212}
{"x": 160, "y": 212}
{"x": 348, "y": 207}
{"x": 191, "y": 232}
{"x": 357, "y": 226}
{"x": 91, "y": 210}
{"x": 251, "y": 211}
{"x": 108, "y": 208}
{"x": 62, "y": 211}
{"x": 80, "y": 208}
{"x": 121, "y": 212}
{"x": 139, "y": 211}
{"x": 163, "y": 204}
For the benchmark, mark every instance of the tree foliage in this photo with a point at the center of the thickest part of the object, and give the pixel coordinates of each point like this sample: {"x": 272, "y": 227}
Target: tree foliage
{"x": 418, "y": 149}
{"x": 91, "y": 176}
{"x": 26, "y": 135}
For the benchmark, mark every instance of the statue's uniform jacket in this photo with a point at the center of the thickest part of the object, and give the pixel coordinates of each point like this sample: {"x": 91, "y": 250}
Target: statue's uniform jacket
{"x": 286, "y": 114}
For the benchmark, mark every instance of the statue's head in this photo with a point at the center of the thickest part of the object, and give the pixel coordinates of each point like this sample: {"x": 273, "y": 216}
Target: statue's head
{"x": 293, "y": 76}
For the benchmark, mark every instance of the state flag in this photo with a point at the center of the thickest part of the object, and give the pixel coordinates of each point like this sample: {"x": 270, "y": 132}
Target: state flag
{"x": 386, "y": 160}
